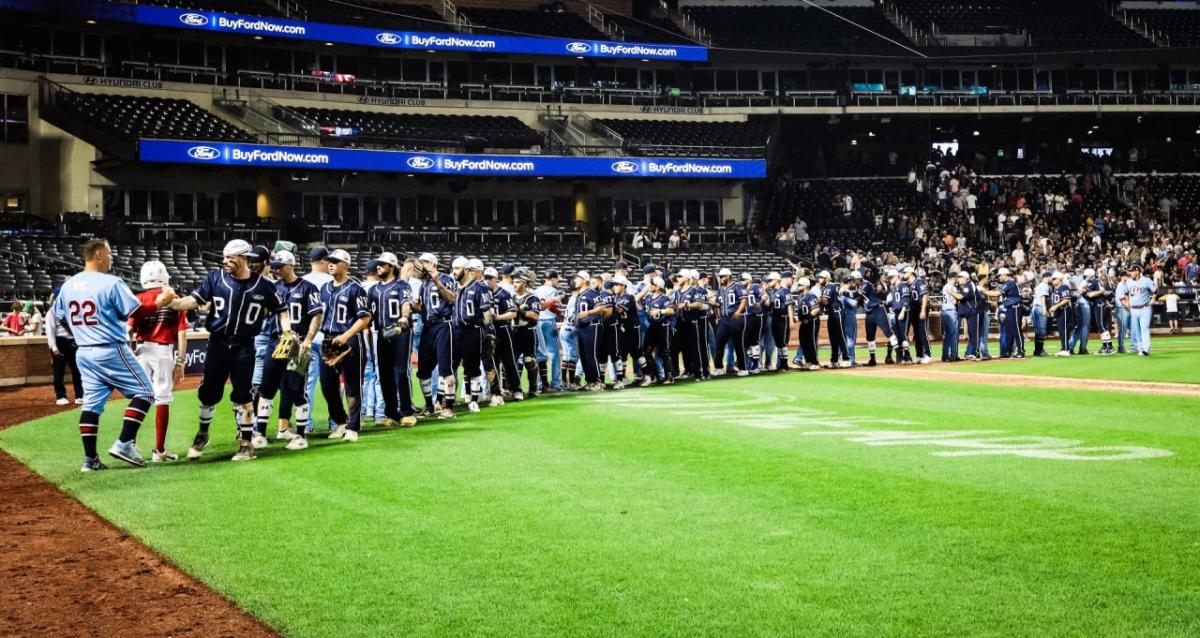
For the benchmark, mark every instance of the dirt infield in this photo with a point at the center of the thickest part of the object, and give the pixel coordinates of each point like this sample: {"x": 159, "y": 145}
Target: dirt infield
{"x": 943, "y": 372}
{"x": 68, "y": 572}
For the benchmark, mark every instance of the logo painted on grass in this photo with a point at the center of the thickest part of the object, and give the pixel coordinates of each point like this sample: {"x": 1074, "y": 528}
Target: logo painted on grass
{"x": 579, "y": 47}
{"x": 194, "y": 19}
{"x": 950, "y": 443}
{"x": 203, "y": 153}
{"x": 420, "y": 163}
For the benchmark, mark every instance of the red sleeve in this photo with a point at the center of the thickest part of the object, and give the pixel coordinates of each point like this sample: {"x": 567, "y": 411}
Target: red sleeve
{"x": 183, "y": 322}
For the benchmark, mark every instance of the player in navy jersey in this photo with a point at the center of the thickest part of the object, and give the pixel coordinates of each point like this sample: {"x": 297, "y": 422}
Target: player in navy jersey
{"x": 96, "y": 307}
{"x": 756, "y": 309}
{"x": 1062, "y": 303}
{"x": 1101, "y": 315}
{"x": 526, "y": 308}
{"x": 780, "y": 302}
{"x": 808, "y": 310}
{"x": 471, "y": 308}
{"x": 968, "y": 308}
{"x": 241, "y": 302}
{"x": 656, "y": 346}
{"x": 590, "y": 311}
{"x": 898, "y": 301}
{"x": 435, "y": 302}
{"x": 304, "y": 309}
{"x": 628, "y": 332}
{"x": 918, "y": 313}
{"x": 391, "y": 302}
{"x": 347, "y": 315}
{"x": 731, "y": 327}
{"x": 873, "y": 293}
{"x": 504, "y": 311}
{"x": 1009, "y": 299}
{"x": 829, "y": 296}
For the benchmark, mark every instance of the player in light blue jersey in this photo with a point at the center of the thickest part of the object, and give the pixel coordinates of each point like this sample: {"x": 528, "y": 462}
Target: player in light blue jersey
{"x": 95, "y": 306}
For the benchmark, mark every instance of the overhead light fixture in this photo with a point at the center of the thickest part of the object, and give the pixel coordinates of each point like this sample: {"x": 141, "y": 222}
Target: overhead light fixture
{"x": 871, "y": 134}
{"x": 259, "y": 37}
{"x": 430, "y": 51}
{"x": 975, "y": 133}
{"x": 1070, "y": 140}
{"x": 91, "y": 22}
{"x": 328, "y": 44}
{"x": 853, "y": 142}
{"x": 1168, "y": 140}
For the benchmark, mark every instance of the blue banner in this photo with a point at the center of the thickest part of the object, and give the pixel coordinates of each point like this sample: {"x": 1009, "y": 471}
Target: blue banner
{"x": 409, "y": 40}
{"x": 303, "y": 157}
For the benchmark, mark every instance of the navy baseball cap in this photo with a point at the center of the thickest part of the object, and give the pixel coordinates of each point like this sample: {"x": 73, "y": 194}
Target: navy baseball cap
{"x": 261, "y": 253}
{"x": 648, "y": 269}
{"x": 372, "y": 266}
{"x": 608, "y": 284}
{"x": 507, "y": 269}
{"x": 551, "y": 274}
{"x": 320, "y": 253}
{"x": 786, "y": 274}
{"x": 620, "y": 264}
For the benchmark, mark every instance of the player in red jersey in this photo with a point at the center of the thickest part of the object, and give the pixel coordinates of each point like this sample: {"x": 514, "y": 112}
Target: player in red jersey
{"x": 161, "y": 335}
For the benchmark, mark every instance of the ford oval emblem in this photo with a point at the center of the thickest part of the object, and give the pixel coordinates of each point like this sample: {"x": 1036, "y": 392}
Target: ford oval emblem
{"x": 420, "y": 162}
{"x": 389, "y": 38}
{"x": 579, "y": 47}
{"x": 194, "y": 19}
{"x": 203, "y": 153}
{"x": 624, "y": 166}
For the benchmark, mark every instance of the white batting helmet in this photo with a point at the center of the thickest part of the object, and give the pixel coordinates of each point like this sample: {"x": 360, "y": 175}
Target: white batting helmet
{"x": 154, "y": 274}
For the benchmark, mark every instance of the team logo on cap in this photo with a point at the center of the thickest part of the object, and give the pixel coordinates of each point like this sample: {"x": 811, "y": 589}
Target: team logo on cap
{"x": 203, "y": 153}
{"x": 388, "y": 38}
{"x": 624, "y": 166}
{"x": 420, "y": 162}
{"x": 579, "y": 47}
{"x": 194, "y": 19}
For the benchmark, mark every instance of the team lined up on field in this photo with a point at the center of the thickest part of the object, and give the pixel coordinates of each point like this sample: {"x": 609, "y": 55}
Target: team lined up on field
{"x": 492, "y": 325}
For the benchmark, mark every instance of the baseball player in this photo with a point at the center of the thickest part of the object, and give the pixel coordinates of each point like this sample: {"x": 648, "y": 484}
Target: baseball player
{"x": 756, "y": 307}
{"x": 567, "y": 336}
{"x": 968, "y": 307}
{"x": 850, "y": 301}
{"x": 1061, "y": 300}
{"x": 732, "y": 302}
{"x": 629, "y": 331}
{"x": 898, "y": 301}
{"x": 391, "y": 301}
{"x": 96, "y": 306}
{"x": 874, "y": 294}
{"x": 808, "y": 311}
{"x": 589, "y": 314}
{"x": 526, "y": 306}
{"x": 161, "y": 336}
{"x": 660, "y": 308}
{"x": 347, "y": 315}
{"x": 241, "y": 302}
{"x": 1009, "y": 297}
{"x": 304, "y": 305}
{"x": 435, "y": 303}
{"x": 1040, "y": 312}
{"x": 471, "y": 308}
{"x": 1137, "y": 295}
{"x": 918, "y": 313}
{"x": 949, "y": 316}
{"x": 1097, "y": 295}
{"x": 830, "y": 299}
{"x": 258, "y": 266}
{"x": 504, "y": 310}
{"x": 779, "y": 295}
{"x": 549, "y": 356}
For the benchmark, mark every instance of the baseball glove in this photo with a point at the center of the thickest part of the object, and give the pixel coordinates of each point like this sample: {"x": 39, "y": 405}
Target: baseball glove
{"x": 287, "y": 347}
{"x": 332, "y": 354}
{"x": 300, "y": 362}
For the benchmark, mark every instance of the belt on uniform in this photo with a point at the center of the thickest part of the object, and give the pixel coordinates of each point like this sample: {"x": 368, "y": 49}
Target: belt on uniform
{"x": 1136, "y": 307}
{"x": 114, "y": 344}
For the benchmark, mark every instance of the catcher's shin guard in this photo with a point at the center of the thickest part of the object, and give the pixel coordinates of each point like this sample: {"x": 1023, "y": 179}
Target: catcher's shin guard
{"x": 531, "y": 370}
{"x": 264, "y": 407}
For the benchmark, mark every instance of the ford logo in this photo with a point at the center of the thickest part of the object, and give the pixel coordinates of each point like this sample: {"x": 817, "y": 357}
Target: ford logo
{"x": 579, "y": 47}
{"x": 420, "y": 163}
{"x": 203, "y": 153}
{"x": 194, "y": 19}
{"x": 388, "y": 38}
{"x": 625, "y": 167}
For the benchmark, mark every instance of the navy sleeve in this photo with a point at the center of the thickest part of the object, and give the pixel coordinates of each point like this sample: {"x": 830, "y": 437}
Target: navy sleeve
{"x": 203, "y": 292}
{"x": 361, "y": 306}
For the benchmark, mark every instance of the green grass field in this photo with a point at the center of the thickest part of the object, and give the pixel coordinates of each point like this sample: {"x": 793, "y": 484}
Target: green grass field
{"x": 817, "y": 504}
{"x": 1171, "y": 363}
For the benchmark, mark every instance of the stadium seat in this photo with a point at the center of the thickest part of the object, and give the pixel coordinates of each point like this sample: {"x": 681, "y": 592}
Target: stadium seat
{"x": 131, "y": 117}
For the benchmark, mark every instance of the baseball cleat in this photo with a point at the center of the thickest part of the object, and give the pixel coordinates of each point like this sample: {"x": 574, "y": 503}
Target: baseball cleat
{"x": 813, "y": 367}
{"x": 426, "y": 412}
{"x": 926, "y": 361}
{"x": 646, "y": 381}
{"x": 297, "y": 443}
{"x": 596, "y": 387}
{"x": 446, "y": 413}
{"x": 62, "y": 401}
{"x": 496, "y": 400}
{"x": 258, "y": 440}
{"x": 473, "y": 407}
{"x": 127, "y": 452}
{"x": 92, "y": 464}
{"x": 163, "y": 456}
{"x": 1063, "y": 353}
{"x": 285, "y": 434}
{"x": 78, "y": 401}
{"x": 408, "y": 421}
{"x": 518, "y": 396}
{"x": 338, "y": 432}
{"x": 198, "y": 445}
{"x": 350, "y": 436}
{"x": 619, "y": 385}
{"x": 245, "y": 452}
{"x": 743, "y": 373}
{"x": 388, "y": 423}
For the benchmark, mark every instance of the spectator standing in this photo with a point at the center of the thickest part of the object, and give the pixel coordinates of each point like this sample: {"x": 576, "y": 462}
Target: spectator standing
{"x": 14, "y": 324}
{"x": 62, "y": 352}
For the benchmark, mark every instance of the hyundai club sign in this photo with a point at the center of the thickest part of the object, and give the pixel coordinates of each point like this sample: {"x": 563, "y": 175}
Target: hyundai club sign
{"x": 410, "y": 40}
{"x": 223, "y": 154}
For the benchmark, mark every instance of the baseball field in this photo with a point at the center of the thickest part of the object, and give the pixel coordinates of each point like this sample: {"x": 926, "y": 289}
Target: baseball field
{"x": 1012, "y": 498}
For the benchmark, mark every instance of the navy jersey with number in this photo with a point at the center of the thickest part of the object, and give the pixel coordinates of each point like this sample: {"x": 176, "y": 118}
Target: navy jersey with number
{"x": 870, "y": 293}
{"x": 755, "y": 304}
{"x": 530, "y": 302}
{"x": 731, "y": 297}
{"x": 473, "y": 300}
{"x": 898, "y": 297}
{"x": 303, "y": 302}
{"x": 698, "y": 293}
{"x": 239, "y": 305}
{"x": 1011, "y": 294}
{"x": 628, "y": 307}
{"x": 434, "y": 309}
{"x": 502, "y": 304}
{"x": 588, "y": 300}
{"x": 1093, "y": 285}
{"x": 659, "y": 303}
{"x": 804, "y": 306}
{"x": 969, "y": 302}
{"x": 830, "y": 291}
{"x": 916, "y": 291}
{"x": 781, "y": 301}
{"x": 344, "y": 305}
{"x": 386, "y": 300}
{"x": 1063, "y": 291}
